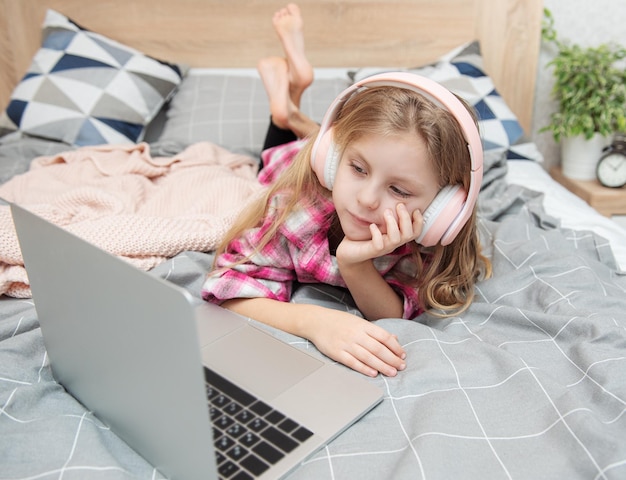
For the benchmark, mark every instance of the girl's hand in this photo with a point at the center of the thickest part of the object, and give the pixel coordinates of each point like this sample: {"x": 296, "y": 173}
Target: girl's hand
{"x": 407, "y": 228}
{"x": 342, "y": 336}
{"x": 358, "y": 344}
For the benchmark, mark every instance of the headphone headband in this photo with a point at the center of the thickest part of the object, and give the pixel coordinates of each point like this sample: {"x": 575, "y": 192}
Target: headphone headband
{"x": 325, "y": 164}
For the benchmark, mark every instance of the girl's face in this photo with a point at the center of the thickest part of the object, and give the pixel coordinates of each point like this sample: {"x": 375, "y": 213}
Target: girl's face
{"x": 375, "y": 174}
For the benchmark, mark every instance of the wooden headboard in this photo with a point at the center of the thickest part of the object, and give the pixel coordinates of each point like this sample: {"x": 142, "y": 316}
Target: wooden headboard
{"x": 338, "y": 33}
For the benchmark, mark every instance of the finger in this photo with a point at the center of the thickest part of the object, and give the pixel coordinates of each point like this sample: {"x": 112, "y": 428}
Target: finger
{"x": 377, "y": 237}
{"x": 355, "y": 364}
{"x": 389, "y": 340}
{"x": 393, "y": 344}
{"x": 393, "y": 230}
{"x": 418, "y": 223}
{"x": 405, "y": 222}
{"x": 378, "y": 357}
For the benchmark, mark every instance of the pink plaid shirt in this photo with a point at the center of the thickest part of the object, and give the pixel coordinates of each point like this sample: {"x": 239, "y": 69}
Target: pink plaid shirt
{"x": 299, "y": 252}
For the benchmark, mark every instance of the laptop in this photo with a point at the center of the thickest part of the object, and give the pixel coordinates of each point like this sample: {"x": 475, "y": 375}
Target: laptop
{"x": 200, "y": 392}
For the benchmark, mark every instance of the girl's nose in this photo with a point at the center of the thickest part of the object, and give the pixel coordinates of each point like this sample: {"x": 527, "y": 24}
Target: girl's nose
{"x": 368, "y": 197}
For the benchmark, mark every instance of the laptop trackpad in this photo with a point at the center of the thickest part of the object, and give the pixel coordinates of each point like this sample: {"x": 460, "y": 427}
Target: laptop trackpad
{"x": 258, "y": 362}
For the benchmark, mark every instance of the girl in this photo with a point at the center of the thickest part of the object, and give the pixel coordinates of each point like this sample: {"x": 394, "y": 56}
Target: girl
{"x": 347, "y": 214}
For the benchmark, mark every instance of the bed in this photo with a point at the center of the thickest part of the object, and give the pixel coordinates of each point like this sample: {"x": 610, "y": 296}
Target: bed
{"x": 530, "y": 382}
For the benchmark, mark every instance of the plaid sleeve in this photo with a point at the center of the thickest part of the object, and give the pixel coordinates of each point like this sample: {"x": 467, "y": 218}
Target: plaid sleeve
{"x": 244, "y": 272}
{"x": 411, "y": 303}
{"x": 402, "y": 265}
{"x": 277, "y": 159}
{"x": 240, "y": 282}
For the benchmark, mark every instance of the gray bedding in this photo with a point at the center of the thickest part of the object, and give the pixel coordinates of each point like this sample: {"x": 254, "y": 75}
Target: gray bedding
{"x": 529, "y": 383}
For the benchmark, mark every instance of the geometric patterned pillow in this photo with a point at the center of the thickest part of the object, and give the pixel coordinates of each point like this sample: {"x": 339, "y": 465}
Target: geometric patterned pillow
{"x": 462, "y": 72}
{"x": 85, "y": 89}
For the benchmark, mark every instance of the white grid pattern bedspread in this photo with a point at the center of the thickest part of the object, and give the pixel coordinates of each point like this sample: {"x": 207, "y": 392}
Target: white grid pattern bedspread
{"x": 529, "y": 383}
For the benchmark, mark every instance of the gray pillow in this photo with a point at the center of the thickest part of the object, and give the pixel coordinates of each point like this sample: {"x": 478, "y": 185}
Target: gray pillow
{"x": 232, "y": 110}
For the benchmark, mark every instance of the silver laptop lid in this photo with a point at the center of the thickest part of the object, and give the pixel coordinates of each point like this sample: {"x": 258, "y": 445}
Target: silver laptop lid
{"x": 118, "y": 360}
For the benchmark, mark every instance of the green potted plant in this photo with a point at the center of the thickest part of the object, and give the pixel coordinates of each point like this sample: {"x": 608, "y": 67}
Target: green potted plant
{"x": 590, "y": 88}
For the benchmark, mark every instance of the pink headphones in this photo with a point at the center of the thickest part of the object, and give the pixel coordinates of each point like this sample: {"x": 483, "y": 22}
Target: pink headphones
{"x": 453, "y": 206}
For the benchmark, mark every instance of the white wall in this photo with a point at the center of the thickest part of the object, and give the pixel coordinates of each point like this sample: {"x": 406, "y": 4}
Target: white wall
{"x": 586, "y": 22}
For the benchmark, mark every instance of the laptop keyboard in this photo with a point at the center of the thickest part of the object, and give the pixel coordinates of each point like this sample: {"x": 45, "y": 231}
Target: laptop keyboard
{"x": 249, "y": 435}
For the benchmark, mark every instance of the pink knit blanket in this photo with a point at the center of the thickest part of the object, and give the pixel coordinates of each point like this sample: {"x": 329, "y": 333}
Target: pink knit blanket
{"x": 143, "y": 208}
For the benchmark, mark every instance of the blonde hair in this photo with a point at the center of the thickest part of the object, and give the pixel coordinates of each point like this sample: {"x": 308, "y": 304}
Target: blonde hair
{"x": 444, "y": 276}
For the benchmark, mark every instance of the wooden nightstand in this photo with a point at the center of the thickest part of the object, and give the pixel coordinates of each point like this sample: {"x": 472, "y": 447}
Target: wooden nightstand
{"x": 607, "y": 201}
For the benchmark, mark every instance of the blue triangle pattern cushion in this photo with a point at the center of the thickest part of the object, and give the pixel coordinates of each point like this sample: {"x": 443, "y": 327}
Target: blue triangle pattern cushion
{"x": 69, "y": 62}
{"x": 58, "y": 40}
{"x": 129, "y": 129}
{"x": 49, "y": 102}
{"x": 87, "y": 133}
{"x": 15, "y": 110}
{"x": 468, "y": 69}
{"x": 121, "y": 55}
{"x": 483, "y": 111}
{"x": 462, "y": 72}
{"x": 513, "y": 130}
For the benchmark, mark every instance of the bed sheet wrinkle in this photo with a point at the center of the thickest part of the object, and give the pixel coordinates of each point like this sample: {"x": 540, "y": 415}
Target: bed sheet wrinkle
{"x": 572, "y": 211}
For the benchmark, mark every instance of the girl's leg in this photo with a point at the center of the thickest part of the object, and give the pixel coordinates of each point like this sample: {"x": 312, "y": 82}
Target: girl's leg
{"x": 289, "y": 26}
{"x": 277, "y": 136}
{"x": 285, "y": 79}
{"x": 285, "y": 115}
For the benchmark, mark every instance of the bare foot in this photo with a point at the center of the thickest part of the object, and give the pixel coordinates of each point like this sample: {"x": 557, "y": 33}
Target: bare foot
{"x": 274, "y": 74}
{"x": 288, "y": 24}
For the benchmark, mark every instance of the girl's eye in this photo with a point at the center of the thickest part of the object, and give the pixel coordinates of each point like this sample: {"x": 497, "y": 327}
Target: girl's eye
{"x": 357, "y": 168}
{"x": 399, "y": 192}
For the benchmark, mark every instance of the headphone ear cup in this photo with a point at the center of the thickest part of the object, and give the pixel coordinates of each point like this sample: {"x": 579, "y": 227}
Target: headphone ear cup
{"x": 440, "y": 214}
{"x": 325, "y": 159}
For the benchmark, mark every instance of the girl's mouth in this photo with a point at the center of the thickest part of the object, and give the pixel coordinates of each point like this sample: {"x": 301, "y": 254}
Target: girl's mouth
{"x": 361, "y": 221}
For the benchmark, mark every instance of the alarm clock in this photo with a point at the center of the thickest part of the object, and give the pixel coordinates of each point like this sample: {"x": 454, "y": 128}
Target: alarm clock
{"x": 611, "y": 167}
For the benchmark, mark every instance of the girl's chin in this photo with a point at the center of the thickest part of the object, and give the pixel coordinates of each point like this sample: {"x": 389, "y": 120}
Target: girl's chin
{"x": 357, "y": 232}
{"x": 358, "y": 235}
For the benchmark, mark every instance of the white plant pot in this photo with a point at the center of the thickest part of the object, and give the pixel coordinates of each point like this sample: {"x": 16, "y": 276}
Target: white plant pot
{"x": 580, "y": 156}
